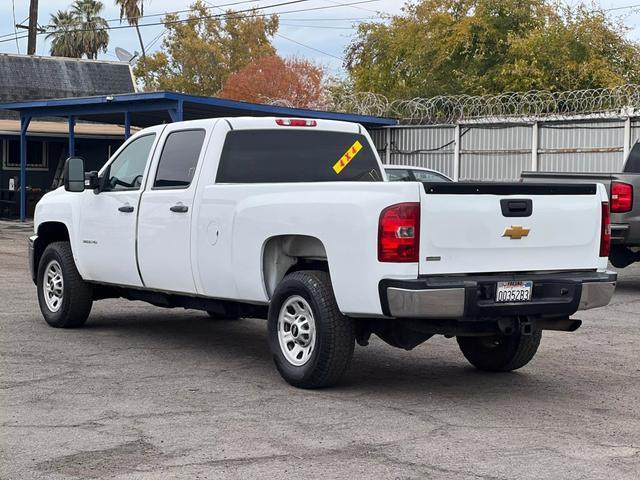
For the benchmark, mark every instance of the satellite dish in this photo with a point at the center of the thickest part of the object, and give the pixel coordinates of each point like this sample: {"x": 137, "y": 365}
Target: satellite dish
{"x": 124, "y": 55}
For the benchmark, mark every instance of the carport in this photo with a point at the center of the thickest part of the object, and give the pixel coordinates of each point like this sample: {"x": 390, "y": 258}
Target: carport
{"x": 153, "y": 108}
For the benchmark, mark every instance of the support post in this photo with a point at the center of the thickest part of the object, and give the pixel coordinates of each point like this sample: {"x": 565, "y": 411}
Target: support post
{"x": 72, "y": 135}
{"x": 627, "y": 140}
{"x": 456, "y": 154}
{"x": 24, "y": 125}
{"x": 387, "y": 149}
{"x": 177, "y": 114}
{"x": 534, "y": 146}
{"x": 33, "y": 27}
{"x": 127, "y": 125}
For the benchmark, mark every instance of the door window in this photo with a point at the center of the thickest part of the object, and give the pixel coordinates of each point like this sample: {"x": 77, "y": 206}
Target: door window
{"x": 179, "y": 159}
{"x": 127, "y": 170}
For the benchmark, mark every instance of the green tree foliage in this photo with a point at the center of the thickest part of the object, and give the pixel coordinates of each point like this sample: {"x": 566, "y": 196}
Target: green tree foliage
{"x": 80, "y": 31}
{"x": 65, "y": 40}
{"x": 197, "y": 56}
{"x": 478, "y": 47}
{"x": 94, "y": 35}
{"x": 132, "y": 10}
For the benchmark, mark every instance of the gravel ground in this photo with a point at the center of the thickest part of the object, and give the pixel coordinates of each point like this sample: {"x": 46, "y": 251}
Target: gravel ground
{"x": 147, "y": 393}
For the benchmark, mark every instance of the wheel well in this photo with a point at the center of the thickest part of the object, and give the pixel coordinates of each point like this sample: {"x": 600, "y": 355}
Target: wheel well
{"x": 48, "y": 232}
{"x": 289, "y": 253}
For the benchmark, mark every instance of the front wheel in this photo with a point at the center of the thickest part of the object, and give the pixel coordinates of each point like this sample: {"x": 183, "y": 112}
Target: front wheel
{"x": 500, "y": 353}
{"x": 65, "y": 299}
{"x": 311, "y": 341}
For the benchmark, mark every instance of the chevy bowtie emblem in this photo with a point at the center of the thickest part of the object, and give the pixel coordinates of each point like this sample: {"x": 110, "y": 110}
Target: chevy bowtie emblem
{"x": 515, "y": 232}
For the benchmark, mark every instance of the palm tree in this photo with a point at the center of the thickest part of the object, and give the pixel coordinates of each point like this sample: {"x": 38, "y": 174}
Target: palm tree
{"x": 64, "y": 38}
{"x": 93, "y": 33}
{"x": 132, "y": 10}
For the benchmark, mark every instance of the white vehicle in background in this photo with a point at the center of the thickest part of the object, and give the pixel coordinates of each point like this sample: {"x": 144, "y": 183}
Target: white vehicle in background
{"x": 294, "y": 221}
{"x": 400, "y": 173}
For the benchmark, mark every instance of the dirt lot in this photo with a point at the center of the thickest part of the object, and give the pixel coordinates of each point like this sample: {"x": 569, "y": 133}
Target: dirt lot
{"x": 142, "y": 393}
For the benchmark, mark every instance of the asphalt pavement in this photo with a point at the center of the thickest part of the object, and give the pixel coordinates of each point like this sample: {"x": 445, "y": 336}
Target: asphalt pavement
{"x": 146, "y": 393}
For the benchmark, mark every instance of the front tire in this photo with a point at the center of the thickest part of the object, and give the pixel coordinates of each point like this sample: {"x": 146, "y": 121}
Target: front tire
{"x": 500, "y": 353}
{"x": 65, "y": 299}
{"x": 311, "y": 341}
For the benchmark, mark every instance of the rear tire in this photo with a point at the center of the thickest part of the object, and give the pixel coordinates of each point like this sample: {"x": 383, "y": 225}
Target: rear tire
{"x": 311, "y": 341}
{"x": 500, "y": 353}
{"x": 65, "y": 299}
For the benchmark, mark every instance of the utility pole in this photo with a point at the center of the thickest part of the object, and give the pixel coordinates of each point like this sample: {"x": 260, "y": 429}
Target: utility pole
{"x": 33, "y": 27}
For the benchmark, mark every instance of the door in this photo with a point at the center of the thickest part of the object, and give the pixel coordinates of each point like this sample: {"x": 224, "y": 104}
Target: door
{"x": 164, "y": 228}
{"x": 107, "y": 227}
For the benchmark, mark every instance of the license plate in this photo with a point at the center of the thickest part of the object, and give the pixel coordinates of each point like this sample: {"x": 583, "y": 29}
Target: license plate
{"x": 513, "y": 292}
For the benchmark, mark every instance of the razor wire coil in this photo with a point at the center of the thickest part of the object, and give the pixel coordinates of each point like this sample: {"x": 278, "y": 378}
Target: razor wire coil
{"x": 600, "y": 102}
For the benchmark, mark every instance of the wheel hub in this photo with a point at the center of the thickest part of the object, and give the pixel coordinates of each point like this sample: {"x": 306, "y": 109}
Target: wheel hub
{"x": 53, "y": 285}
{"x": 296, "y": 330}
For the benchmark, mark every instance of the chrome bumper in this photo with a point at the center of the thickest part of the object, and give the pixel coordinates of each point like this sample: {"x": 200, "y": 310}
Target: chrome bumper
{"x": 596, "y": 294}
{"x": 555, "y": 294}
{"x": 442, "y": 303}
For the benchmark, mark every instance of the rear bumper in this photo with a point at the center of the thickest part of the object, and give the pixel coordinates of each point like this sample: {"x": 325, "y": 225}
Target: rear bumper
{"x": 472, "y": 297}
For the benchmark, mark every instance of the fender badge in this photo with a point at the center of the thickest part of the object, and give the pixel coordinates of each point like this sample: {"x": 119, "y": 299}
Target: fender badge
{"x": 515, "y": 232}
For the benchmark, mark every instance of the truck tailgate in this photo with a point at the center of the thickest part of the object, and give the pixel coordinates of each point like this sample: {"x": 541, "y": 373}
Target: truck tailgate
{"x": 474, "y": 228}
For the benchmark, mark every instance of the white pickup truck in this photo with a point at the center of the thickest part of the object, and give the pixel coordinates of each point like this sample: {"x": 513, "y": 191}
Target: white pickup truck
{"x": 294, "y": 221}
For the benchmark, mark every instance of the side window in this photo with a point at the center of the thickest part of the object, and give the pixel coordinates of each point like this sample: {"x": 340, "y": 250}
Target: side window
{"x": 423, "y": 176}
{"x": 179, "y": 159}
{"x": 126, "y": 171}
{"x": 398, "y": 175}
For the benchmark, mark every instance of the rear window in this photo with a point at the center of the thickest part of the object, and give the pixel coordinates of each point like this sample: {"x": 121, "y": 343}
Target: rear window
{"x": 270, "y": 156}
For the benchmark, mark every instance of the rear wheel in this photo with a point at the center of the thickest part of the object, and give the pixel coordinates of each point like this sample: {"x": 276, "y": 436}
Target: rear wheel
{"x": 500, "y": 353}
{"x": 65, "y": 299}
{"x": 311, "y": 341}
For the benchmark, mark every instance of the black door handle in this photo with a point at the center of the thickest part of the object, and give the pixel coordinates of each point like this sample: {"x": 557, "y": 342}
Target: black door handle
{"x": 179, "y": 208}
{"x": 520, "y": 207}
{"x": 126, "y": 209}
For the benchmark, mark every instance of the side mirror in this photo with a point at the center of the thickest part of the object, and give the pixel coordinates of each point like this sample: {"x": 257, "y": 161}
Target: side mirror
{"x": 74, "y": 174}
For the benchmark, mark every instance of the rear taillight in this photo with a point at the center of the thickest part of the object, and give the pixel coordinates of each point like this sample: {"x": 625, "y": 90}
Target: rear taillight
{"x": 296, "y": 122}
{"x": 605, "y": 231}
{"x": 621, "y": 197}
{"x": 399, "y": 233}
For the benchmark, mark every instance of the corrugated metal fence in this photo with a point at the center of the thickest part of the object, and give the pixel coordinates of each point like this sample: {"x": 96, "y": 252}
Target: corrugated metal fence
{"x": 499, "y": 151}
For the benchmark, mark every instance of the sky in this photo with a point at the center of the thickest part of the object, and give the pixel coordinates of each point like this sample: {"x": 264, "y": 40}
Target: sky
{"x": 321, "y": 35}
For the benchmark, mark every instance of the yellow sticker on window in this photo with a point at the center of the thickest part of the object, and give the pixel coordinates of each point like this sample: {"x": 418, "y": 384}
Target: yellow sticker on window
{"x": 347, "y": 157}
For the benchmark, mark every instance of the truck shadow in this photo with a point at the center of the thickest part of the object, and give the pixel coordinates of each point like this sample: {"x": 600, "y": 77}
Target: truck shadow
{"x": 377, "y": 369}
{"x": 628, "y": 285}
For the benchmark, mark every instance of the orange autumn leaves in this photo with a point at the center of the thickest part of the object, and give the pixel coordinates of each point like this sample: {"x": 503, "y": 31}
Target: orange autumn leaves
{"x": 292, "y": 82}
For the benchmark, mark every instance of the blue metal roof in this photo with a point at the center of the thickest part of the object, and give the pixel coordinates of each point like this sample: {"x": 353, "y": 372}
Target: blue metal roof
{"x": 152, "y": 108}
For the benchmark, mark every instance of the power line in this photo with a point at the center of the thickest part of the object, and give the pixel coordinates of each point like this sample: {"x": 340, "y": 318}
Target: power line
{"x": 352, "y": 6}
{"x": 232, "y": 15}
{"x": 15, "y": 29}
{"x": 175, "y": 12}
{"x": 325, "y": 27}
{"x": 621, "y": 8}
{"x": 323, "y": 19}
{"x": 310, "y": 47}
{"x": 228, "y": 15}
